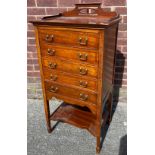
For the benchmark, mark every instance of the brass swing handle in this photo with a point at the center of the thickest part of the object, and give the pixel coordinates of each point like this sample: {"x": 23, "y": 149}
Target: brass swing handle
{"x": 53, "y": 89}
{"x": 49, "y": 38}
{"x": 83, "y": 41}
{"x": 83, "y": 97}
{"x": 83, "y": 57}
{"x": 50, "y": 52}
{"x": 83, "y": 84}
{"x": 83, "y": 71}
{"x": 52, "y": 65}
{"x": 53, "y": 77}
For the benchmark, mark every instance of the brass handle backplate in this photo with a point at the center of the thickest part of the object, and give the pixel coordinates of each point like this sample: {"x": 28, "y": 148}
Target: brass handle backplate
{"x": 50, "y": 52}
{"x": 53, "y": 77}
{"x": 52, "y": 65}
{"x": 83, "y": 41}
{"x": 83, "y": 97}
{"x": 83, "y": 57}
{"x": 53, "y": 89}
{"x": 83, "y": 84}
{"x": 49, "y": 38}
{"x": 83, "y": 71}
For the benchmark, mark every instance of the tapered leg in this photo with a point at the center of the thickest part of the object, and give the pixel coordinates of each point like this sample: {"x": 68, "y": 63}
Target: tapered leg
{"x": 98, "y": 148}
{"x": 47, "y": 114}
{"x": 98, "y": 135}
{"x": 110, "y": 108}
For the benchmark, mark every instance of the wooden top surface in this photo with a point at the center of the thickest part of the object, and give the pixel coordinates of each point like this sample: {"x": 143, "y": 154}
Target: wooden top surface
{"x": 85, "y": 15}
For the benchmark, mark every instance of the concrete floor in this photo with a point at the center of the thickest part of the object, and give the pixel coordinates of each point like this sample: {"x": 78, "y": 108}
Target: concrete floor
{"x": 69, "y": 140}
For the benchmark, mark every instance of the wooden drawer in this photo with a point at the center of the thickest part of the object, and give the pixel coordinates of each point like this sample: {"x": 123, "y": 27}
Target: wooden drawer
{"x": 70, "y": 67}
{"x": 69, "y": 37}
{"x": 74, "y": 54}
{"x": 53, "y": 89}
{"x": 69, "y": 79}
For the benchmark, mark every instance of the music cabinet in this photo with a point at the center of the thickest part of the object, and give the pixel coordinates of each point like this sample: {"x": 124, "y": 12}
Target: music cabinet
{"x": 76, "y": 52}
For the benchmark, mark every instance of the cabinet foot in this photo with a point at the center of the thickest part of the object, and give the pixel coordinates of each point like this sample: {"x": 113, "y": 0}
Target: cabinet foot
{"x": 49, "y": 129}
{"x": 98, "y": 148}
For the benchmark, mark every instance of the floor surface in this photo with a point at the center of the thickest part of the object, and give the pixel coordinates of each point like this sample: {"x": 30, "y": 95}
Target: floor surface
{"x": 69, "y": 140}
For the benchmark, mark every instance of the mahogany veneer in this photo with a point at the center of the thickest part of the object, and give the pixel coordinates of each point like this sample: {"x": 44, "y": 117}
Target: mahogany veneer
{"x": 76, "y": 52}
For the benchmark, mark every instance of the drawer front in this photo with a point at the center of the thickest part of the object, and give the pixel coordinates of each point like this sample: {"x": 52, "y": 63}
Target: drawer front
{"x": 78, "y": 94}
{"x": 69, "y": 79}
{"x": 74, "y": 54}
{"x": 70, "y": 67}
{"x": 74, "y": 38}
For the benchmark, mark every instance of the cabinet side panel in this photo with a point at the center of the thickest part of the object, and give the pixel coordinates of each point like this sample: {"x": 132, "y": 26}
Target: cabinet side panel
{"x": 40, "y": 62}
{"x": 110, "y": 37}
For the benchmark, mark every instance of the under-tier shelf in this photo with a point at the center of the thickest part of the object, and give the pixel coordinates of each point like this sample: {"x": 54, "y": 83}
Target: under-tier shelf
{"x": 77, "y": 116}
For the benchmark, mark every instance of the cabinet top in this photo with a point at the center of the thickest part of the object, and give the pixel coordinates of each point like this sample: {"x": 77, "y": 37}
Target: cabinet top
{"x": 83, "y": 15}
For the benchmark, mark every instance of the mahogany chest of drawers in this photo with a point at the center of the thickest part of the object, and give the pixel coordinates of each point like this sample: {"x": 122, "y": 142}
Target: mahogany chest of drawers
{"x": 76, "y": 52}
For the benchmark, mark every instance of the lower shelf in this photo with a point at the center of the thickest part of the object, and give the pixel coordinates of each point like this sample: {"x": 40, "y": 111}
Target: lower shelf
{"x": 77, "y": 116}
